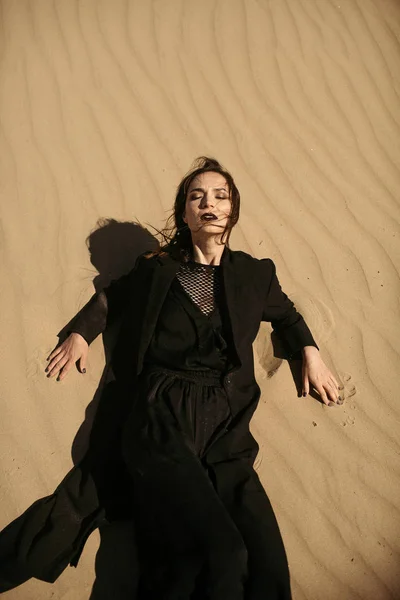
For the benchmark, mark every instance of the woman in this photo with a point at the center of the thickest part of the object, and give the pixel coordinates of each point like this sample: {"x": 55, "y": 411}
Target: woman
{"x": 184, "y": 359}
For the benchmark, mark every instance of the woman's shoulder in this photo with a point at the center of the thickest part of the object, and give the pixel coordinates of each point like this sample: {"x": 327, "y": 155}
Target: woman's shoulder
{"x": 143, "y": 261}
{"x": 153, "y": 258}
{"x": 246, "y": 258}
{"x": 150, "y": 256}
{"x": 238, "y": 258}
{"x": 260, "y": 270}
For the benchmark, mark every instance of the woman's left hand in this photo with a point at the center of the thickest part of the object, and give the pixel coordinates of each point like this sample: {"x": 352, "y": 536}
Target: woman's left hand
{"x": 317, "y": 374}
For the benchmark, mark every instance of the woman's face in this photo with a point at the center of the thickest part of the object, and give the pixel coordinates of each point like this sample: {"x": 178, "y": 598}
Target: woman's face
{"x": 207, "y": 193}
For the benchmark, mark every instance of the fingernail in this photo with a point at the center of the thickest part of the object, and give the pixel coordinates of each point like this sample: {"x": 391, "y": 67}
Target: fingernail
{"x": 331, "y": 404}
{"x": 83, "y": 370}
{"x": 46, "y": 369}
{"x": 58, "y": 379}
{"x": 48, "y": 375}
{"x": 304, "y": 393}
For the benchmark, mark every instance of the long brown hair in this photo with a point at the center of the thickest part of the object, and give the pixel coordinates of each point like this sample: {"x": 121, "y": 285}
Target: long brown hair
{"x": 175, "y": 237}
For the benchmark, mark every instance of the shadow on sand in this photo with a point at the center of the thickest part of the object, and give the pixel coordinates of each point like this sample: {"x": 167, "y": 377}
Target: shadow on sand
{"x": 96, "y": 493}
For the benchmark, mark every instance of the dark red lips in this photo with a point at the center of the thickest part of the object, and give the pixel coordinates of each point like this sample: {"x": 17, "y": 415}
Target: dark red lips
{"x": 208, "y": 217}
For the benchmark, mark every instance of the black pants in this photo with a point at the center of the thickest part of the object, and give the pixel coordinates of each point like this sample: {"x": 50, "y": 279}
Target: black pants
{"x": 205, "y": 530}
{"x": 209, "y": 527}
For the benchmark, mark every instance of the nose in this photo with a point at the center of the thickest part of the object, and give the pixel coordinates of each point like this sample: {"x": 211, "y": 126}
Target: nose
{"x": 208, "y": 200}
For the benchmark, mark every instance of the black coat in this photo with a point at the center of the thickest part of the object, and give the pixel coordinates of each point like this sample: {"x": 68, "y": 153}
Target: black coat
{"x": 253, "y": 294}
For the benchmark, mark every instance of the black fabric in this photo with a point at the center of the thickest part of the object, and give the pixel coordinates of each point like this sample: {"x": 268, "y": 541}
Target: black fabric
{"x": 50, "y": 534}
{"x": 235, "y": 530}
{"x": 285, "y": 320}
{"x": 186, "y": 338}
{"x": 198, "y": 534}
{"x": 202, "y": 283}
{"x": 180, "y": 412}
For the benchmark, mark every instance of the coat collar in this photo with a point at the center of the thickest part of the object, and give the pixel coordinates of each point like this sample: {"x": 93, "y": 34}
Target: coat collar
{"x": 164, "y": 272}
{"x": 168, "y": 260}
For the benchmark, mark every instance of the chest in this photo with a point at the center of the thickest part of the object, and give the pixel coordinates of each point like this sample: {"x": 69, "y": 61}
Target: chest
{"x": 240, "y": 298}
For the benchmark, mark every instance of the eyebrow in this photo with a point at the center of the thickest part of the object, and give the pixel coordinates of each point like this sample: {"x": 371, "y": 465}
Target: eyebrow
{"x": 203, "y": 190}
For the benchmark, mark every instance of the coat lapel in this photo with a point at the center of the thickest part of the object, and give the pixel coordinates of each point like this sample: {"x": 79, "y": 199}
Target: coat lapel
{"x": 230, "y": 284}
{"x": 162, "y": 276}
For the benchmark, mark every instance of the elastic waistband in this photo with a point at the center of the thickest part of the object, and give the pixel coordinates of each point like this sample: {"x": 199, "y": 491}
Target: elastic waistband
{"x": 204, "y": 377}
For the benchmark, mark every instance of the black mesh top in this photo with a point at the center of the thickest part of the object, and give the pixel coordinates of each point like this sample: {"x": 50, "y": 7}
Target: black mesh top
{"x": 192, "y": 331}
{"x": 201, "y": 283}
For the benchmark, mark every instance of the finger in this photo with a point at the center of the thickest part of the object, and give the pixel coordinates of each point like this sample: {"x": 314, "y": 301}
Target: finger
{"x": 58, "y": 366}
{"x": 53, "y": 364}
{"x": 338, "y": 393}
{"x": 54, "y": 353}
{"x": 65, "y": 369}
{"x": 332, "y": 391}
{"x": 335, "y": 382}
{"x": 306, "y": 386}
{"x": 332, "y": 394}
{"x": 323, "y": 395}
{"x": 82, "y": 363}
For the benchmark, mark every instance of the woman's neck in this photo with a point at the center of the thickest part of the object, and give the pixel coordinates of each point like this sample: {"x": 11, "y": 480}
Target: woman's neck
{"x": 207, "y": 252}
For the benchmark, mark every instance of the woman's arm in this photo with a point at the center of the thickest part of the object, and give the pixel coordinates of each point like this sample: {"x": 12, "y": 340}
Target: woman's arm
{"x": 298, "y": 340}
{"x": 103, "y": 308}
{"x": 285, "y": 320}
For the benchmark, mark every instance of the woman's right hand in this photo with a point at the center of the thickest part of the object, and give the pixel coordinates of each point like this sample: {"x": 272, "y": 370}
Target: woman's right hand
{"x": 63, "y": 358}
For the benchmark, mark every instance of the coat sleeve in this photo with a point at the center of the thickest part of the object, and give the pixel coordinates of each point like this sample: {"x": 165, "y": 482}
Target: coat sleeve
{"x": 104, "y": 307}
{"x": 285, "y": 320}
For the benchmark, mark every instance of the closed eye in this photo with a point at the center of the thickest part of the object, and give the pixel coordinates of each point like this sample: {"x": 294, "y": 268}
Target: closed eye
{"x": 199, "y": 197}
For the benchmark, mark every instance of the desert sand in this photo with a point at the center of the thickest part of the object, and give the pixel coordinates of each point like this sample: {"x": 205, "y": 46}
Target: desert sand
{"x": 104, "y": 106}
